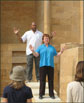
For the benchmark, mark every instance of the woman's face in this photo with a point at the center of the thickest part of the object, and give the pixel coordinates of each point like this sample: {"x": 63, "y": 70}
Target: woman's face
{"x": 46, "y": 40}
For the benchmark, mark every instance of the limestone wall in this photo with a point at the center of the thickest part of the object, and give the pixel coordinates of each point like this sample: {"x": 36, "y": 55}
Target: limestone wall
{"x": 6, "y": 65}
{"x": 68, "y": 62}
{"x": 18, "y": 14}
{"x": 65, "y": 20}
{"x": 10, "y": 56}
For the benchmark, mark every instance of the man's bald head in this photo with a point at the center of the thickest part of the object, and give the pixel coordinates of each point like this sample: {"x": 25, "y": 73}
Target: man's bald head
{"x": 33, "y": 26}
{"x": 33, "y": 23}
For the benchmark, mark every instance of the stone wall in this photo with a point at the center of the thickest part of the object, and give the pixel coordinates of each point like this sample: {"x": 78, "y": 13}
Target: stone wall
{"x": 19, "y": 14}
{"x": 10, "y": 56}
{"x": 65, "y": 20}
{"x": 68, "y": 62}
{"x": 6, "y": 65}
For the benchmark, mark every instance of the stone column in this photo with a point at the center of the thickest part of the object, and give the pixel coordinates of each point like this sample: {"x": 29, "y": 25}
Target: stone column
{"x": 81, "y": 23}
{"x": 40, "y": 15}
{"x": 47, "y": 17}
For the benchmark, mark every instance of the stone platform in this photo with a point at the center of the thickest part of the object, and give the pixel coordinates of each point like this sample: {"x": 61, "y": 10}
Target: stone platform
{"x": 35, "y": 89}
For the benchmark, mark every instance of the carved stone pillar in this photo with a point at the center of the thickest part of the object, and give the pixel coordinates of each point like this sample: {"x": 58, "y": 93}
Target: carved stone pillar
{"x": 81, "y": 23}
{"x": 47, "y": 17}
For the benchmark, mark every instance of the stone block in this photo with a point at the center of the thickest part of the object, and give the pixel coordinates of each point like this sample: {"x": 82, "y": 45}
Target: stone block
{"x": 6, "y": 60}
{"x": 68, "y": 62}
{"x": 19, "y": 60}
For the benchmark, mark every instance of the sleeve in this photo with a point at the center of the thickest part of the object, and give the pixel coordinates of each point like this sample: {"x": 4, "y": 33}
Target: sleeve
{"x": 24, "y": 37}
{"x": 54, "y": 52}
{"x": 69, "y": 94}
{"x": 29, "y": 94}
{"x": 42, "y": 33}
{"x": 38, "y": 49}
{"x": 5, "y": 93}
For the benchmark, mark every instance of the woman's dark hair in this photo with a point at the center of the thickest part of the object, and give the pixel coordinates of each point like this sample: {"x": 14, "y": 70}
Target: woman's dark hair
{"x": 79, "y": 76}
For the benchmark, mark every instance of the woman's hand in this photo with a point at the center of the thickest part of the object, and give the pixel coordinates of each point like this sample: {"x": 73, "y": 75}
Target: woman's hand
{"x": 31, "y": 48}
{"x": 34, "y": 53}
{"x": 62, "y": 50}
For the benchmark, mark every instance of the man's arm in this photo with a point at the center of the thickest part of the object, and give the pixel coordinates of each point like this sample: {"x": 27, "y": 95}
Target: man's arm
{"x": 52, "y": 34}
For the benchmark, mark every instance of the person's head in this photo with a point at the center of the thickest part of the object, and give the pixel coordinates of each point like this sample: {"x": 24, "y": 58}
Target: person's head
{"x": 46, "y": 39}
{"x": 33, "y": 26}
{"x": 79, "y": 76}
{"x": 18, "y": 76}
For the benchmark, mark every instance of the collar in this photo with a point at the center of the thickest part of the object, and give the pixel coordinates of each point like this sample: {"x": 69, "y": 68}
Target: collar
{"x": 45, "y": 45}
{"x": 35, "y": 31}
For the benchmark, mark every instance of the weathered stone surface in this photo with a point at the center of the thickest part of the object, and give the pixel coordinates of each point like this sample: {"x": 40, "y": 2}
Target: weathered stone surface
{"x": 68, "y": 62}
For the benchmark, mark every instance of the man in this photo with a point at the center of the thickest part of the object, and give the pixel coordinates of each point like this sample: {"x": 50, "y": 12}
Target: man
{"x": 33, "y": 37}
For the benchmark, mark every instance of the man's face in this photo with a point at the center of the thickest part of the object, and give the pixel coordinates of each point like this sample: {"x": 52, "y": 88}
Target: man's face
{"x": 33, "y": 26}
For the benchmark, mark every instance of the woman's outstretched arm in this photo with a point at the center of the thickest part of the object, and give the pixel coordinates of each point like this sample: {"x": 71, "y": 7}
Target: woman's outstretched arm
{"x": 34, "y": 53}
{"x": 62, "y": 50}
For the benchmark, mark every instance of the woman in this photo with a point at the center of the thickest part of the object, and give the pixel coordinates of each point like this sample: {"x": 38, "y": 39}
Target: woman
{"x": 17, "y": 91}
{"x": 47, "y": 53}
{"x": 75, "y": 89}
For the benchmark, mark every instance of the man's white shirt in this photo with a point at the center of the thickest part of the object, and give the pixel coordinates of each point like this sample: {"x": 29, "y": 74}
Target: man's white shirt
{"x": 32, "y": 38}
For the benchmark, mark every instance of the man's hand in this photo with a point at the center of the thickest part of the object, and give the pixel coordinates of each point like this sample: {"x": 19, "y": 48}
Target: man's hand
{"x": 16, "y": 30}
{"x": 31, "y": 48}
{"x": 53, "y": 33}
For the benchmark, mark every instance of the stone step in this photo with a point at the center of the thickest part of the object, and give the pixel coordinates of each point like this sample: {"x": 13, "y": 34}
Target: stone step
{"x": 36, "y": 91}
{"x": 34, "y": 85}
{"x": 46, "y": 98}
